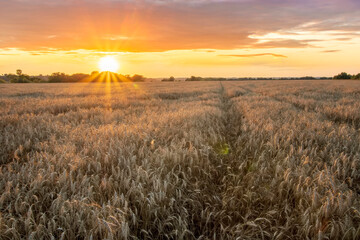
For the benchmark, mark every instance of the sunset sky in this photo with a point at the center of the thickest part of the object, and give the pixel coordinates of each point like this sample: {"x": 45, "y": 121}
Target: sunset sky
{"x": 159, "y": 38}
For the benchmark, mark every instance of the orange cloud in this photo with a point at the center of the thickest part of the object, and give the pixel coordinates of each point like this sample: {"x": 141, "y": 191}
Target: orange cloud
{"x": 330, "y": 51}
{"x": 255, "y": 55}
{"x": 151, "y": 26}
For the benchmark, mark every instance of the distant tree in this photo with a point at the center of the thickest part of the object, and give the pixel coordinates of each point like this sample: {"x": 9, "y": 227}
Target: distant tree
{"x": 138, "y": 78}
{"x": 193, "y": 78}
{"x": 170, "y": 79}
{"x": 62, "y": 77}
{"x": 10, "y": 77}
{"x": 343, "y": 75}
{"x": 57, "y": 77}
{"x": 307, "y": 78}
{"x": 77, "y": 77}
{"x": 21, "y": 79}
{"x": 18, "y": 78}
{"x": 35, "y": 79}
{"x": 357, "y": 76}
{"x": 94, "y": 73}
{"x": 2, "y": 81}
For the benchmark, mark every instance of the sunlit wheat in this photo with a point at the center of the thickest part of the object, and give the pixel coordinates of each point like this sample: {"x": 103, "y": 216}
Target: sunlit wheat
{"x": 237, "y": 160}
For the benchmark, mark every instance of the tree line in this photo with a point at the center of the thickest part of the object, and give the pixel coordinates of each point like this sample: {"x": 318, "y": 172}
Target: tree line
{"x": 342, "y": 75}
{"x": 193, "y": 78}
{"x": 59, "y": 77}
{"x": 96, "y": 76}
{"x": 19, "y": 77}
{"x": 345, "y": 75}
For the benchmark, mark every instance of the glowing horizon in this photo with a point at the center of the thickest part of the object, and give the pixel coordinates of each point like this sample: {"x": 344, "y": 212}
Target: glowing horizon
{"x": 245, "y": 38}
{"x": 108, "y": 64}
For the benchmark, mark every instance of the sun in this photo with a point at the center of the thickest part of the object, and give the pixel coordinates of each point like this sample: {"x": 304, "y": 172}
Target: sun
{"x": 108, "y": 64}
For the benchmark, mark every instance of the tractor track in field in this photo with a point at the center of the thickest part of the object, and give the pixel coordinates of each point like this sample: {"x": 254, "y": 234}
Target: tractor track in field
{"x": 212, "y": 216}
{"x": 232, "y": 120}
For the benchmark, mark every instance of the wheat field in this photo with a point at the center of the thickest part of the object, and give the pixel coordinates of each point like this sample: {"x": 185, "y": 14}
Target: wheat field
{"x": 182, "y": 160}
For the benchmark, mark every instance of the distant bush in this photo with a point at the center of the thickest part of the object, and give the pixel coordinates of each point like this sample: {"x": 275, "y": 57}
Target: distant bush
{"x": 193, "y": 78}
{"x": 307, "y": 78}
{"x": 356, "y": 77}
{"x": 57, "y": 77}
{"x": 78, "y": 77}
{"x": 20, "y": 79}
{"x": 111, "y": 77}
{"x": 138, "y": 78}
{"x": 170, "y": 79}
{"x": 94, "y": 73}
{"x": 36, "y": 80}
{"x": 2, "y": 81}
{"x": 343, "y": 75}
{"x": 62, "y": 77}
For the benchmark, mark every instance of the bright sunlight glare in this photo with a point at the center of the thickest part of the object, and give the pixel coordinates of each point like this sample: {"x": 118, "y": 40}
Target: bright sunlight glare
{"x": 108, "y": 64}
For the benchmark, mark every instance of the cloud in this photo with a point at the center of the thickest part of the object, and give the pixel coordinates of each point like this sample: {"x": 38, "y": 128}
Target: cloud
{"x": 330, "y": 51}
{"x": 343, "y": 39}
{"x": 255, "y": 55}
{"x": 151, "y": 26}
{"x": 291, "y": 43}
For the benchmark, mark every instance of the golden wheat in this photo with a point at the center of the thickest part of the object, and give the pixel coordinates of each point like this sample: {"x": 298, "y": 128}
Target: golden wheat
{"x": 194, "y": 160}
